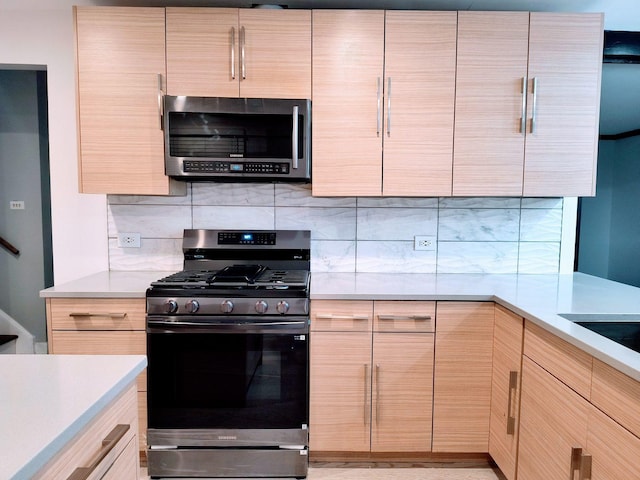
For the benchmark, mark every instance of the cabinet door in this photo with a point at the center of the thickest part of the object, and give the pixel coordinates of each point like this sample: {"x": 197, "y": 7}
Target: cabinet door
{"x": 553, "y": 421}
{"x": 229, "y": 52}
{"x": 565, "y": 61}
{"x": 615, "y": 451}
{"x": 489, "y": 138}
{"x": 402, "y": 392}
{"x": 202, "y": 52}
{"x": 277, "y": 53}
{"x": 505, "y": 390}
{"x": 121, "y": 145}
{"x": 340, "y": 391}
{"x": 462, "y": 376}
{"x": 419, "y": 88}
{"x": 348, "y": 55}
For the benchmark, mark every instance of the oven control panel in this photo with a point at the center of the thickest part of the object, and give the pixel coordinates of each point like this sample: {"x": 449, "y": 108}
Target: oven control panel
{"x": 246, "y": 238}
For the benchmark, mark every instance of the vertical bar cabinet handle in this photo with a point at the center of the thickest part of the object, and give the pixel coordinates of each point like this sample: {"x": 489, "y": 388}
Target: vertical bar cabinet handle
{"x": 511, "y": 419}
{"x": 294, "y": 138}
{"x": 366, "y": 376}
{"x": 233, "y": 53}
{"x": 389, "y": 107}
{"x": 379, "y": 113}
{"x": 523, "y": 118}
{"x": 242, "y": 53}
{"x": 377, "y": 392}
{"x": 534, "y": 108}
{"x": 576, "y": 461}
{"x": 585, "y": 467}
{"x": 160, "y": 97}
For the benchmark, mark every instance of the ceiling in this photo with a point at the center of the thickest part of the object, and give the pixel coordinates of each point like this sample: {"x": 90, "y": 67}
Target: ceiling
{"x": 620, "y": 103}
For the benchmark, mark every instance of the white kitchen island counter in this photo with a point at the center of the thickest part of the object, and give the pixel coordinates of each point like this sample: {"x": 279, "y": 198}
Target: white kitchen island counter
{"x": 46, "y": 400}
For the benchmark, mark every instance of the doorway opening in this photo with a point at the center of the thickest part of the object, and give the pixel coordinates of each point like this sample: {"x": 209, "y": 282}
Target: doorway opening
{"x": 25, "y": 197}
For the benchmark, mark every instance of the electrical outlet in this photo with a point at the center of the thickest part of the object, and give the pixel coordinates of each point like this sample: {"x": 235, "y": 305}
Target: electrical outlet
{"x": 425, "y": 243}
{"x": 129, "y": 240}
{"x": 16, "y": 205}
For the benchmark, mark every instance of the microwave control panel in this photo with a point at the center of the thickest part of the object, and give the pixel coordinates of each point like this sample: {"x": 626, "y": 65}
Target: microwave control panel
{"x": 259, "y": 168}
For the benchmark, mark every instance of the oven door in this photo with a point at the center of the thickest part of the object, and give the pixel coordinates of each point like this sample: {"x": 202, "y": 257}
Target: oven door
{"x": 235, "y": 382}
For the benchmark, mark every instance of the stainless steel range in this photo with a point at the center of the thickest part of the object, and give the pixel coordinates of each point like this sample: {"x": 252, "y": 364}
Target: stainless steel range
{"x": 227, "y": 345}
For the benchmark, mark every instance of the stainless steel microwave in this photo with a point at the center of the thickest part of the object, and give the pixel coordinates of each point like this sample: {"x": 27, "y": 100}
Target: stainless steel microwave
{"x": 237, "y": 139}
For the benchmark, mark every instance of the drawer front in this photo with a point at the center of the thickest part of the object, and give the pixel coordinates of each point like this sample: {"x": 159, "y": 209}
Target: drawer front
{"x": 617, "y": 395}
{"x": 341, "y": 315}
{"x": 97, "y": 313}
{"x": 82, "y": 449}
{"x": 566, "y": 362}
{"x": 102, "y": 343}
{"x": 404, "y": 316}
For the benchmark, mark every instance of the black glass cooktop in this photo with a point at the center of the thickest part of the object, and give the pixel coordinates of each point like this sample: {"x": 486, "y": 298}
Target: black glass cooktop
{"x": 624, "y": 333}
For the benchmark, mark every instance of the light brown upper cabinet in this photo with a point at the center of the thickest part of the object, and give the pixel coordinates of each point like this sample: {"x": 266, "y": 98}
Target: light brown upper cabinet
{"x": 230, "y": 52}
{"x": 527, "y": 103}
{"x": 120, "y": 68}
{"x": 383, "y": 79}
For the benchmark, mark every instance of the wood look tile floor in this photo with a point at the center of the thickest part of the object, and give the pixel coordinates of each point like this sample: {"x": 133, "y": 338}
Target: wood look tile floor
{"x": 391, "y": 473}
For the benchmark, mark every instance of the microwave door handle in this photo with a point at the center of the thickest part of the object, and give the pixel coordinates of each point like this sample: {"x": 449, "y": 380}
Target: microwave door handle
{"x": 294, "y": 138}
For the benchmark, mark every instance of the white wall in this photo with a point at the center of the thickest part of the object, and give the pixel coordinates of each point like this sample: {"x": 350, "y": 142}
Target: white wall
{"x": 44, "y": 36}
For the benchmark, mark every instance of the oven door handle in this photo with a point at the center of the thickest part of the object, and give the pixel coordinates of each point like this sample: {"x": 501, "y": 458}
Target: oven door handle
{"x": 169, "y": 327}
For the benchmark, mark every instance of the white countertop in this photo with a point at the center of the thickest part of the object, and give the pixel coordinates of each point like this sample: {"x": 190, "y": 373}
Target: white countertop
{"x": 108, "y": 284}
{"x": 47, "y": 399}
{"x": 539, "y": 298}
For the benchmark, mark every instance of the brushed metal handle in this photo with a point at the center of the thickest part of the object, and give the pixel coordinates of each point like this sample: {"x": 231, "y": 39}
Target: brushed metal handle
{"x": 377, "y": 393}
{"x": 585, "y": 467}
{"x": 523, "y": 117}
{"x": 389, "y": 107}
{"x": 534, "y": 107}
{"x": 366, "y": 404}
{"x": 88, "y": 314}
{"x": 341, "y": 317}
{"x": 160, "y": 103}
{"x": 404, "y": 317}
{"x": 511, "y": 419}
{"x": 294, "y": 137}
{"x": 576, "y": 460}
{"x": 379, "y": 113}
{"x": 242, "y": 53}
{"x": 233, "y": 53}
{"x": 109, "y": 442}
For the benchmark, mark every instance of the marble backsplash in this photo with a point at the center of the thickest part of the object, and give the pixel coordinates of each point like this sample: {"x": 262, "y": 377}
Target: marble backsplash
{"x": 473, "y": 235}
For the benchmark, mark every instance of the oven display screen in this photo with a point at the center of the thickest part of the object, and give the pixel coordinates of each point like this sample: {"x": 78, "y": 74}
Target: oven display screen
{"x": 247, "y": 237}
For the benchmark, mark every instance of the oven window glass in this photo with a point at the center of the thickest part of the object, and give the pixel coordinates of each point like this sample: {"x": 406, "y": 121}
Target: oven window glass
{"x": 228, "y": 135}
{"x": 206, "y": 380}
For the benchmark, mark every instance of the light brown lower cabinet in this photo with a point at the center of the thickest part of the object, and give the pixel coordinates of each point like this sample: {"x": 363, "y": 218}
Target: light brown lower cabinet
{"x": 505, "y": 390}
{"x": 371, "y": 391}
{"x": 101, "y": 326}
{"x": 553, "y": 427}
{"x": 462, "y": 376}
{"x": 105, "y": 449}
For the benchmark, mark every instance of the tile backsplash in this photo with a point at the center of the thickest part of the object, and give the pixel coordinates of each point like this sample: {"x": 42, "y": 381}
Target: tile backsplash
{"x": 473, "y": 235}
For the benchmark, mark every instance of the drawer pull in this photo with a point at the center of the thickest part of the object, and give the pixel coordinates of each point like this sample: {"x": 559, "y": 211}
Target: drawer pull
{"x": 585, "y": 467}
{"x": 110, "y": 441}
{"x": 87, "y": 314}
{"x": 576, "y": 460}
{"x": 342, "y": 317}
{"x": 404, "y": 317}
{"x": 366, "y": 392}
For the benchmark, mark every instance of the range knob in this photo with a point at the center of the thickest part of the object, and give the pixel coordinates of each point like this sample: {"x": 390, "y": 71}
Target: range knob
{"x": 283, "y": 306}
{"x": 261, "y": 306}
{"x": 192, "y": 306}
{"x": 226, "y": 306}
{"x": 170, "y": 306}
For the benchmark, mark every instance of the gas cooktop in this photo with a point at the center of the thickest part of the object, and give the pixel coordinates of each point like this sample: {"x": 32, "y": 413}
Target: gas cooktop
{"x": 236, "y": 276}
